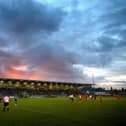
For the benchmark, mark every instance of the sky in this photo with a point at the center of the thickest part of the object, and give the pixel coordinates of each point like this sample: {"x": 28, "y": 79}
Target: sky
{"x": 64, "y": 40}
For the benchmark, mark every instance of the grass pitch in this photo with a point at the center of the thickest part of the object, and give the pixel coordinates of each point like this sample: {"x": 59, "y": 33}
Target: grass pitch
{"x": 61, "y": 112}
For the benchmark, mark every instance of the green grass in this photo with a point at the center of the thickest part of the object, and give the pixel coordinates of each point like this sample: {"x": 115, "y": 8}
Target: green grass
{"x": 60, "y": 112}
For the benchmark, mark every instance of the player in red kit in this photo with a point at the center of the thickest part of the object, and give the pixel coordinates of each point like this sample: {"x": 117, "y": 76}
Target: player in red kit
{"x": 100, "y": 99}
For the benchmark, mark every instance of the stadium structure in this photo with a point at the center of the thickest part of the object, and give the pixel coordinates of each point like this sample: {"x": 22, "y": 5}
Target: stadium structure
{"x": 39, "y": 87}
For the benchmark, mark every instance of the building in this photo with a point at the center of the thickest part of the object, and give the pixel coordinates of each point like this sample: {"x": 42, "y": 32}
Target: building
{"x": 37, "y": 86}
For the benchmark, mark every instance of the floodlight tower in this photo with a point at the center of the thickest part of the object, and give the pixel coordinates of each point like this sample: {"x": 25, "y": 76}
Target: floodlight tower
{"x": 93, "y": 80}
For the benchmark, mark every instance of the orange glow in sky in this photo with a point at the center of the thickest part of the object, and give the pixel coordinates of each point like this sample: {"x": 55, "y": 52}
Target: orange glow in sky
{"x": 21, "y": 68}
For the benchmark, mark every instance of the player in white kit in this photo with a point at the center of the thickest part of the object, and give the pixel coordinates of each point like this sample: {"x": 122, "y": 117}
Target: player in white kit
{"x": 71, "y": 98}
{"x": 6, "y": 100}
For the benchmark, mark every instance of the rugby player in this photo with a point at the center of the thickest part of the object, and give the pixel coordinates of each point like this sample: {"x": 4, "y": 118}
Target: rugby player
{"x": 6, "y": 100}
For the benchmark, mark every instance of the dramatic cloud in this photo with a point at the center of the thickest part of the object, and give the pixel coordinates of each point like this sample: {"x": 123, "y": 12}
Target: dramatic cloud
{"x": 63, "y": 40}
{"x": 28, "y": 16}
{"x": 24, "y": 22}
